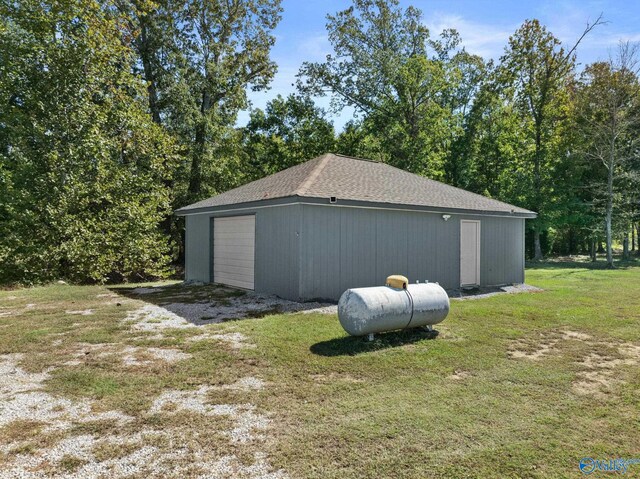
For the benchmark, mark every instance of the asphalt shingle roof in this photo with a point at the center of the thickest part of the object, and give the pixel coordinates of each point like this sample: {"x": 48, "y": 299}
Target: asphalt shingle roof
{"x": 356, "y": 179}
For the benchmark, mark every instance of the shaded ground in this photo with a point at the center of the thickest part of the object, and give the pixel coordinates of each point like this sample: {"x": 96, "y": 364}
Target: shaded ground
{"x": 487, "y": 292}
{"x": 212, "y": 303}
{"x": 583, "y": 262}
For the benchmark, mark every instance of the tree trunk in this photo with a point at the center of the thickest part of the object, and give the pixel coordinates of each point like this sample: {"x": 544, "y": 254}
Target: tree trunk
{"x": 146, "y": 54}
{"x": 594, "y": 256}
{"x": 609, "y": 246}
{"x": 625, "y": 246}
{"x": 537, "y": 248}
{"x": 609, "y": 207}
{"x": 538, "y": 188}
{"x": 195, "y": 175}
{"x": 199, "y": 149}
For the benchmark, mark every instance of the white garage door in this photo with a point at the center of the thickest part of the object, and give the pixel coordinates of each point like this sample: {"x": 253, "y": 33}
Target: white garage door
{"x": 233, "y": 250}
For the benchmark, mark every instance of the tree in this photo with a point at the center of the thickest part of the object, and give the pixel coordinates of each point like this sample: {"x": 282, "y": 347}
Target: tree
{"x": 536, "y": 72}
{"x": 610, "y": 119}
{"x": 199, "y": 58}
{"x": 484, "y": 156}
{"x": 403, "y": 82}
{"x": 288, "y": 132}
{"x": 81, "y": 164}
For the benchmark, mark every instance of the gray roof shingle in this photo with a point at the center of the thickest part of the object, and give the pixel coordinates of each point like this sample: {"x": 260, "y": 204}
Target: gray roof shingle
{"x": 356, "y": 179}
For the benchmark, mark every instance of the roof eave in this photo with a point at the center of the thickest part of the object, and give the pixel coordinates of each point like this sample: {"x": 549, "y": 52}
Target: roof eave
{"x": 351, "y": 203}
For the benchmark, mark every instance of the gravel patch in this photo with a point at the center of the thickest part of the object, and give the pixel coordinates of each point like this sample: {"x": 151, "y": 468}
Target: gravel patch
{"x": 331, "y": 309}
{"x": 249, "y": 305}
{"x": 233, "y": 339}
{"x": 153, "y": 318}
{"x": 6, "y": 312}
{"x": 247, "y": 423}
{"x": 129, "y": 355}
{"x": 248, "y": 383}
{"x": 22, "y": 398}
{"x": 83, "y": 312}
{"x": 107, "y": 295}
{"x": 14, "y": 379}
{"x": 146, "y": 460}
{"x": 178, "y": 314}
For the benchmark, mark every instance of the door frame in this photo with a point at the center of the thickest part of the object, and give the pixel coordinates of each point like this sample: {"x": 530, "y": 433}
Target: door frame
{"x": 478, "y": 251}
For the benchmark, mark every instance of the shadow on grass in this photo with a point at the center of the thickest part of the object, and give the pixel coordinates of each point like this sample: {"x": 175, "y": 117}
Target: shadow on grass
{"x": 353, "y": 345}
{"x": 571, "y": 263}
{"x": 210, "y": 303}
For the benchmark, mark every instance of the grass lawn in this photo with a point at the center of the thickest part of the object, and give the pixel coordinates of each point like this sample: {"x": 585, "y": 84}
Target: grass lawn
{"x": 520, "y": 385}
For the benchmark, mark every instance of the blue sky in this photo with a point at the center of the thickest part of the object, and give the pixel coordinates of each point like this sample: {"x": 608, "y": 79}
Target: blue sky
{"x": 484, "y": 25}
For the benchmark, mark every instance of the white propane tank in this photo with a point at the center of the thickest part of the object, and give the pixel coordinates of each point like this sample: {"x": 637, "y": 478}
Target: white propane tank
{"x": 363, "y": 311}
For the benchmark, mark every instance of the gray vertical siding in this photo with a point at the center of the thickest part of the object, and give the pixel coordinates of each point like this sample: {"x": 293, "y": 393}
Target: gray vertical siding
{"x": 197, "y": 248}
{"x": 353, "y": 247}
{"x": 276, "y": 248}
{"x": 502, "y": 250}
{"x": 346, "y": 248}
{"x": 316, "y": 252}
{"x": 277, "y": 251}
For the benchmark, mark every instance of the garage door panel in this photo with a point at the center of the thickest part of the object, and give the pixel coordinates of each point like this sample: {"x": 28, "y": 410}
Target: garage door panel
{"x": 239, "y": 242}
{"x": 238, "y": 271}
{"x": 233, "y": 251}
{"x": 239, "y": 284}
{"x": 244, "y": 262}
{"x": 234, "y": 237}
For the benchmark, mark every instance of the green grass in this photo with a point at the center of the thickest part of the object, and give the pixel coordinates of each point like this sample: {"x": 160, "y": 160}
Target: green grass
{"x": 402, "y": 406}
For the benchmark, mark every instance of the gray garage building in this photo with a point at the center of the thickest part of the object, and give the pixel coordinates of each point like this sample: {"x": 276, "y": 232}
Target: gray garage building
{"x": 336, "y": 222}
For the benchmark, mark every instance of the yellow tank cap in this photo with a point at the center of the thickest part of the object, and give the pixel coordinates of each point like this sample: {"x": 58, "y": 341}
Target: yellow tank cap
{"x": 397, "y": 281}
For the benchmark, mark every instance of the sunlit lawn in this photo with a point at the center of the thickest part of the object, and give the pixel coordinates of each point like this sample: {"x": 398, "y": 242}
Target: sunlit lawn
{"x": 515, "y": 385}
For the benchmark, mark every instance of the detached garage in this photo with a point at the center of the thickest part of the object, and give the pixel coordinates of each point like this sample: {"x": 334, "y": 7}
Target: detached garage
{"x": 336, "y": 222}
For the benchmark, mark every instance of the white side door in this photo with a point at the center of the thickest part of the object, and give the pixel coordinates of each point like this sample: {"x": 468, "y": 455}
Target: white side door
{"x": 469, "y": 253}
{"x": 233, "y": 250}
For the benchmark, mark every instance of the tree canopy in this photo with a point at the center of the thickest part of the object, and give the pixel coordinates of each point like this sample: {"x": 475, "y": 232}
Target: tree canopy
{"x": 113, "y": 113}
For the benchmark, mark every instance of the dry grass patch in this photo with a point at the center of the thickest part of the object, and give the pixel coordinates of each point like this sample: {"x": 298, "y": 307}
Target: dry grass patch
{"x": 598, "y": 362}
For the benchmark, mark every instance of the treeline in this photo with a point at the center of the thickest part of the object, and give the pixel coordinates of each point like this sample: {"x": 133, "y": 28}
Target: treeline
{"x": 113, "y": 113}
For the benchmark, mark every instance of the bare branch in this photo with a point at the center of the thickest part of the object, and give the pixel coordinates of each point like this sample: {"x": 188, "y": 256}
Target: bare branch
{"x": 587, "y": 30}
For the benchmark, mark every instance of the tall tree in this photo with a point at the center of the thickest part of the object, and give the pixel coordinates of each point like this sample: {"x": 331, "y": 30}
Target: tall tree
{"x": 81, "y": 164}
{"x": 610, "y": 118}
{"x": 402, "y": 81}
{"x": 535, "y": 72}
{"x": 290, "y": 130}
{"x": 199, "y": 57}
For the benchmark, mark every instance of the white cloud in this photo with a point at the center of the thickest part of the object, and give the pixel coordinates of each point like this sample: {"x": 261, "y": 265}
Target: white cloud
{"x": 568, "y": 19}
{"x": 315, "y": 48}
{"x": 482, "y": 39}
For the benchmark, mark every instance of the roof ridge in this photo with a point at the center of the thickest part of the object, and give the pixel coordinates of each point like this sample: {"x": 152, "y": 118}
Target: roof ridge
{"x": 306, "y": 184}
{"x": 357, "y": 158}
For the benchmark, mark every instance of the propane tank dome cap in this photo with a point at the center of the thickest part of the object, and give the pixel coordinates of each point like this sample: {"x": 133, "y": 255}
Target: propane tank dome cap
{"x": 397, "y": 281}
